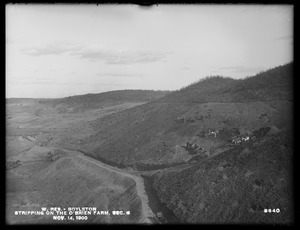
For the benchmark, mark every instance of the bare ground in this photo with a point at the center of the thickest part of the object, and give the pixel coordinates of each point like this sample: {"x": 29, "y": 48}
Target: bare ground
{"x": 39, "y": 177}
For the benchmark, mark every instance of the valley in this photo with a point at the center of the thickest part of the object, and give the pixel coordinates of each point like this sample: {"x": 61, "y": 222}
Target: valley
{"x": 218, "y": 151}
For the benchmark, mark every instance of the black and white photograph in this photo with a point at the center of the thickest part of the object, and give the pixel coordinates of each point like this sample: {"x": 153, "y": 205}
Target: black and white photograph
{"x": 149, "y": 115}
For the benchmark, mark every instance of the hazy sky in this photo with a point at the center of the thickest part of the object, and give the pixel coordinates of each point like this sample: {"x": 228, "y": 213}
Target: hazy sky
{"x": 64, "y": 50}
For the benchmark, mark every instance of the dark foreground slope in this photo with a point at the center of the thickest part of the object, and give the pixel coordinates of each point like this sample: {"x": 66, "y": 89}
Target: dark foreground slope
{"x": 149, "y": 135}
{"x": 235, "y": 186}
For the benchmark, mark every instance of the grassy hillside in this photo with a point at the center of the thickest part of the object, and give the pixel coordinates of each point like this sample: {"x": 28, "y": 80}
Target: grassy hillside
{"x": 273, "y": 84}
{"x": 101, "y": 100}
{"x": 202, "y": 91}
{"x": 147, "y": 130}
{"x": 20, "y": 100}
{"x": 149, "y": 134}
{"x": 235, "y": 186}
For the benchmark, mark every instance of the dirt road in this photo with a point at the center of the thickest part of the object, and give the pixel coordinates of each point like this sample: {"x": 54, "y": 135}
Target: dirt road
{"x": 140, "y": 187}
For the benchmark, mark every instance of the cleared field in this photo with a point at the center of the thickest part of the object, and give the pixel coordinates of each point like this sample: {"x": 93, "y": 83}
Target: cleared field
{"x": 41, "y": 174}
{"x": 72, "y": 181}
{"x": 154, "y": 137}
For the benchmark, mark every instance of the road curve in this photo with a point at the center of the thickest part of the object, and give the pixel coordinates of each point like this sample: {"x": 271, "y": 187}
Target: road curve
{"x": 139, "y": 181}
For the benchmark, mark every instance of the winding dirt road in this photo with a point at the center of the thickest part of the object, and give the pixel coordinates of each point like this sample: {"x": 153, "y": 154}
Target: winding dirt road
{"x": 140, "y": 187}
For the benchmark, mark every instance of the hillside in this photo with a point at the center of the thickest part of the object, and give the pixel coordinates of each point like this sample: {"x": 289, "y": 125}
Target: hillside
{"x": 21, "y": 100}
{"x": 40, "y": 175}
{"x": 151, "y": 134}
{"x": 216, "y": 151}
{"x": 274, "y": 84}
{"x": 47, "y": 177}
{"x": 235, "y": 186}
{"x": 101, "y": 100}
{"x": 203, "y": 91}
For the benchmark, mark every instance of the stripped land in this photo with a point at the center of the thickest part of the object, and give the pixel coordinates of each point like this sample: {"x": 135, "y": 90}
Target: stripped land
{"x": 217, "y": 151}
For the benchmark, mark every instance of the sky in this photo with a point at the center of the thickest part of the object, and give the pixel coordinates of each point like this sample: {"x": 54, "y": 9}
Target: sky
{"x": 57, "y": 51}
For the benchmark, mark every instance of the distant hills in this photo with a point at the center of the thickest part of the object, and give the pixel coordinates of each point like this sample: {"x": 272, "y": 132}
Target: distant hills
{"x": 148, "y": 135}
{"x": 110, "y": 96}
{"x": 269, "y": 85}
{"x": 21, "y": 100}
{"x": 94, "y": 101}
